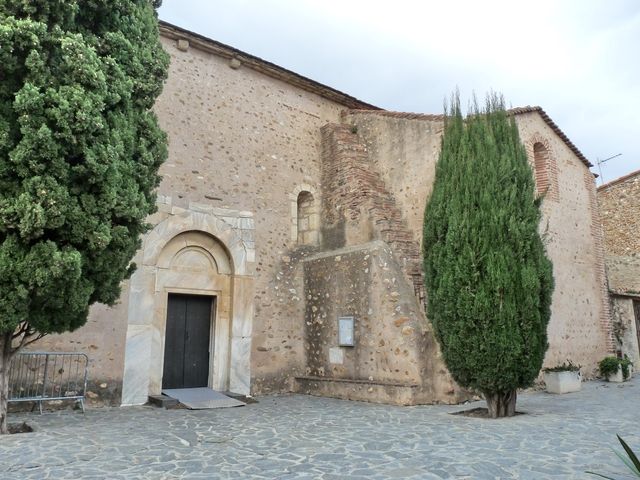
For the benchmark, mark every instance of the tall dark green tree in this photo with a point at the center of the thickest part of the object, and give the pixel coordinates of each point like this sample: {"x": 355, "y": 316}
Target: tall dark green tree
{"x": 80, "y": 150}
{"x": 489, "y": 281}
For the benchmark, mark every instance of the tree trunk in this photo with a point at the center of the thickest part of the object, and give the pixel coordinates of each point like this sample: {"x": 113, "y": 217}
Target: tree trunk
{"x": 501, "y": 404}
{"x": 5, "y": 365}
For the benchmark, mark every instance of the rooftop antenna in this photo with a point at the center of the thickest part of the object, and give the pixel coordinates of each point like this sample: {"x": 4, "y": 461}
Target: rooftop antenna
{"x": 600, "y": 162}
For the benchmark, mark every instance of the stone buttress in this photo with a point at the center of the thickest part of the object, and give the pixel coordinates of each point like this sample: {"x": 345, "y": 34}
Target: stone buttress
{"x": 369, "y": 267}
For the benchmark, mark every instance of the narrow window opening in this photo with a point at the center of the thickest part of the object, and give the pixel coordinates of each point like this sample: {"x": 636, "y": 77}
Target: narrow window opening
{"x": 541, "y": 168}
{"x": 307, "y": 220}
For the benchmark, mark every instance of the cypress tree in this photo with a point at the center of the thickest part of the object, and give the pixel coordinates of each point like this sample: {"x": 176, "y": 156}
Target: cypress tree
{"x": 489, "y": 281}
{"x": 80, "y": 150}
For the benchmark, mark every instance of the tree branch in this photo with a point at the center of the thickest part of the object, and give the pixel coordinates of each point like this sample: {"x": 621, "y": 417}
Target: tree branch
{"x": 24, "y": 326}
{"x": 26, "y": 343}
{"x": 29, "y": 336}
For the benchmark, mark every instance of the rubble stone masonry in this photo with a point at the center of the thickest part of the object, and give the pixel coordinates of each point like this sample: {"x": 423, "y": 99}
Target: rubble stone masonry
{"x": 404, "y": 149}
{"x": 305, "y": 204}
{"x": 619, "y": 204}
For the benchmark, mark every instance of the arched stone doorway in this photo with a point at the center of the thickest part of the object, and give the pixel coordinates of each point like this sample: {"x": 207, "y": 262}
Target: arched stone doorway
{"x": 194, "y": 263}
{"x": 193, "y": 255}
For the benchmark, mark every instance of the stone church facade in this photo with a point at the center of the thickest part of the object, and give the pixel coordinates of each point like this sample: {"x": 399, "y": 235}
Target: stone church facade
{"x": 290, "y": 205}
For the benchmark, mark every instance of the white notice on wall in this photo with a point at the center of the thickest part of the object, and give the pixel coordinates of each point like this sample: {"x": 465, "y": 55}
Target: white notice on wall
{"x": 336, "y": 355}
{"x": 345, "y": 331}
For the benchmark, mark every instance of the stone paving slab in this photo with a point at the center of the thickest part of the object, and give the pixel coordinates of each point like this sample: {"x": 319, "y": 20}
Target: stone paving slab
{"x": 299, "y": 437}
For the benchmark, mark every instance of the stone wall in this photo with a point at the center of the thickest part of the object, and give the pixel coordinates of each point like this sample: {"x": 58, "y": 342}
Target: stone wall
{"x": 626, "y": 327}
{"x": 358, "y": 207}
{"x": 242, "y": 141}
{"x": 319, "y": 212}
{"x": 404, "y": 149}
{"x": 395, "y": 358}
{"x": 619, "y": 203}
{"x": 580, "y": 327}
{"x": 623, "y": 273}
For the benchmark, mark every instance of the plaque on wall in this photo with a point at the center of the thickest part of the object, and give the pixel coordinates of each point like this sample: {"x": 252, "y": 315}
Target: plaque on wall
{"x": 336, "y": 355}
{"x": 345, "y": 331}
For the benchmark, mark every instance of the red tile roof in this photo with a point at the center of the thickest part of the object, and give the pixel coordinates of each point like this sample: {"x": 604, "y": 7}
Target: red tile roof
{"x": 403, "y": 115}
{"x": 554, "y": 127}
{"x": 622, "y": 179}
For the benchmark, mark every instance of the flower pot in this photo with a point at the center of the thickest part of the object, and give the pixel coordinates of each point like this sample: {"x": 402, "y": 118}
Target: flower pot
{"x": 618, "y": 377}
{"x": 564, "y": 381}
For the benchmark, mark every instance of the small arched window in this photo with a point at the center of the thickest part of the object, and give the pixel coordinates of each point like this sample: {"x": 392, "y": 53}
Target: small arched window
{"x": 541, "y": 166}
{"x": 545, "y": 172}
{"x": 307, "y": 219}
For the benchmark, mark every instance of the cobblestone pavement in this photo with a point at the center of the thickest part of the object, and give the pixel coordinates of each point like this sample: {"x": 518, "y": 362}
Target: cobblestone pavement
{"x": 296, "y": 437}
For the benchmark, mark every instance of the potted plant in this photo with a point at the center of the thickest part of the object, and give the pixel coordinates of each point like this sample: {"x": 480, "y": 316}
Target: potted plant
{"x": 616, "y": 369}
{"x": 565, "y": 378}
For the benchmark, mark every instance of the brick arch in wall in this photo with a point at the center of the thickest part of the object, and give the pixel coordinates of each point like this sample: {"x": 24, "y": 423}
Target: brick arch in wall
{"x": 545, "y": 169}
{"x": 305, "y": 215}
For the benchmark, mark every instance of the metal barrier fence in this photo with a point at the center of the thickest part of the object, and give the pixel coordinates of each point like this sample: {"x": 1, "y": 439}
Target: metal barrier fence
{"x": 44, "y": 376}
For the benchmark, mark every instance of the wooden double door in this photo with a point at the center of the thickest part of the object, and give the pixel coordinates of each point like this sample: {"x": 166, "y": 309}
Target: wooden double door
{"x": 187, "y": 340}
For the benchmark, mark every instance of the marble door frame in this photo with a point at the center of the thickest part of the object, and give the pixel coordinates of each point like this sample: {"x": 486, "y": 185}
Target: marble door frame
{"x": 210, "y": 253}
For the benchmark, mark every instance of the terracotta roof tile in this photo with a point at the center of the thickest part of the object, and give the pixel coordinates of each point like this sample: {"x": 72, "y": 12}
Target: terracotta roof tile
{"x": 622, "y": 179}
{"x": 554, "y": 127}
{"x": 404, "y": 115}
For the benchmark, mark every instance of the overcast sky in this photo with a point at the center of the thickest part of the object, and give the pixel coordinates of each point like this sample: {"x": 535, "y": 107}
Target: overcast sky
{"x": 578, "y": 59}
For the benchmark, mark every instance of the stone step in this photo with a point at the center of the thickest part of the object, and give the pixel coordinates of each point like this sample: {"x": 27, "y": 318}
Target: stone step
{"x": 163, "y": 401}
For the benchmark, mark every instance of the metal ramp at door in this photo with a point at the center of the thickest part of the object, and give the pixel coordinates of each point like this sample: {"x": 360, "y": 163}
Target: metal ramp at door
{"x": 201, "y": 398}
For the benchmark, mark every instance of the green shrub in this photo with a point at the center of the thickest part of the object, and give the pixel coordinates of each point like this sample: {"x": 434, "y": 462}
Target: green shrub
{"x": 568, "y": 366}
{"x": 625, "y": 363}
{"x": 609, "y": 366}
{"x": 80, "y": 149}
{"x": 488, "y": 279}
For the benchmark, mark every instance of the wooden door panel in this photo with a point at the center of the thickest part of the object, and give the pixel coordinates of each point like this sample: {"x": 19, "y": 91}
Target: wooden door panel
{"x": 196, "y": 352}
{"x": 172, "y": 376}
{"x": 187, "y": 339}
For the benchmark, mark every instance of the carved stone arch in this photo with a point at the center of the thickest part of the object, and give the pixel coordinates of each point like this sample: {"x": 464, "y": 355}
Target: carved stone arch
{"x": 542, "y": 159}
{"x": 196, "y": 241}
{"x": 194, "y": 258}
{"x": 225, "y": 229}
{"x": 303, "y": 187}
